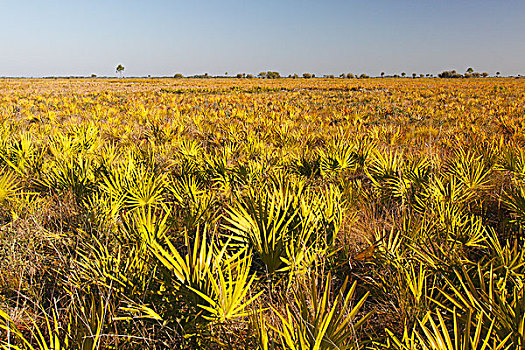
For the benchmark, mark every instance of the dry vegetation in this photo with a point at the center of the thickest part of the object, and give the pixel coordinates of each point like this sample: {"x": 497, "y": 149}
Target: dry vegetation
{"x": 262, "y": 214}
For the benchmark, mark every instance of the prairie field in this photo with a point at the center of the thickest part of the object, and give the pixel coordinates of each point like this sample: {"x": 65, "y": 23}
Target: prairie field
{"x": 262, "y": 213}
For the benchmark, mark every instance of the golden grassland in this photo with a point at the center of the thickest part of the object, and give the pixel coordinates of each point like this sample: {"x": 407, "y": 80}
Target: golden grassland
{"x": 262, "y": 214}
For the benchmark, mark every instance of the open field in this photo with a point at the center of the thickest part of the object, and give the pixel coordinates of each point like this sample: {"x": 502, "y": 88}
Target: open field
{"x": 262, "y": 213}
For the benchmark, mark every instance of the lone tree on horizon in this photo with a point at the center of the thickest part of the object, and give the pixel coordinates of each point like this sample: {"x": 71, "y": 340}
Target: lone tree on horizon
{"x": 119, "y": 70}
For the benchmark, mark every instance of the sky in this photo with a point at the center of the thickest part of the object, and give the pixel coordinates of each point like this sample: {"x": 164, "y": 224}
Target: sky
{"x": 162, "y": 37}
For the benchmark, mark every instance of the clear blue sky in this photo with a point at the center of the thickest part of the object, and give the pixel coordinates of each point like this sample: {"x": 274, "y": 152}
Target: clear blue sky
{"x": 161, "y": 37}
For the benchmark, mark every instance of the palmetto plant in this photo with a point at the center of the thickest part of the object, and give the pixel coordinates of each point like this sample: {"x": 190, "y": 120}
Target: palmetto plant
{"x": 133, "y": 186}
{"x": 85, "y": 138}
{"x": 508, "y": 257}
{"x": 23, "y": 155}
{"x": 194, "y": 202}
{"x": 466, "y": 333}
{"x": 385, "y": 172}
{"x": 8, "y": 186}
{"x": 306, "y": 164}
{"x": 82, "y": 330}
{"x": 515, "y": 202}
{"x": 513, "y": 160}
{"x": 217, "y": 283}
{"x": 190, "y": 157}
{"x": 74, "y": 173}
{"x": 276, "y": 222}
{"x": 498, "y": 296}
{"x": 264, "y": 224}
{"x": 411, "y": 182}
{"x": 470, "y": 170}
{"x": 312, "y": 319}
{"x": 459, "y": 227}
{"x": 397, "y": 276}
{"x": 337, "y": 158}
{"x": 229, "y": 296}
{"x": 144, "y": 226}
{"x": 50, "y": 336}
{"x": 384, "y": 166}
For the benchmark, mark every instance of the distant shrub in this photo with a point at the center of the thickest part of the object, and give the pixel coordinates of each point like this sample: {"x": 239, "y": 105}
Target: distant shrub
{"x": 307, "y": 75}
{"x": 178, "y": 76}
{"x": 269, "y": 75}
{"x": 450, "y": 74}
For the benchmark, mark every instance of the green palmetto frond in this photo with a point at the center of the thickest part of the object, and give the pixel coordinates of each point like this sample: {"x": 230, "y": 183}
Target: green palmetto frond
{"x": 74, "y": 173}
{"x": 85, "y": 137}
{"x": 339, "y": 157}
{"x": 207, "y": 277}
{"x": 384, "y": 166}
{"x": 513, "y": 160}
{"x": 146, "y": 191}
{"x": 61, "y": 145}
{"x": 144, "y": 226}
{"x": 458, "y": 226}
{"x": 83, "y": 331}
{"x": 268, "y": 222}
{"x": 306, "y": 164}
{"x": 470, "y": 170}
{"x": 24, "y": 156}
{"x": 433, "y": 332}
{"x": 436, "y": 336}
{"x": 135, "y": 187}
{"x": 500, "y": 298}
{"x": 313, "y": 320}
{"x": 189, "y": 148}
{"x": 509, "y": 258}
{"x": 193, "y": 201}
{"x": 264, "y": 225}
{"x": 231, "y": 283}
{"x": 450, "y": 191}
{"x": 411, "y": 182}
{"x": 8, "y": 186}
{"x": 515, "y": 202}
{"x": 46, "y": 337}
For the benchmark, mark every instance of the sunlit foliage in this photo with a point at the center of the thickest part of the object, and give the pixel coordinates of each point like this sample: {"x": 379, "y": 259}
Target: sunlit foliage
{"x": 262, "y": 214}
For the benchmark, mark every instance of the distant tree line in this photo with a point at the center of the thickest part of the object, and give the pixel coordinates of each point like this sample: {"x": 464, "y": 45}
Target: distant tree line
{"x": 269, "y": 75}
{"x": 470, "y": 73}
